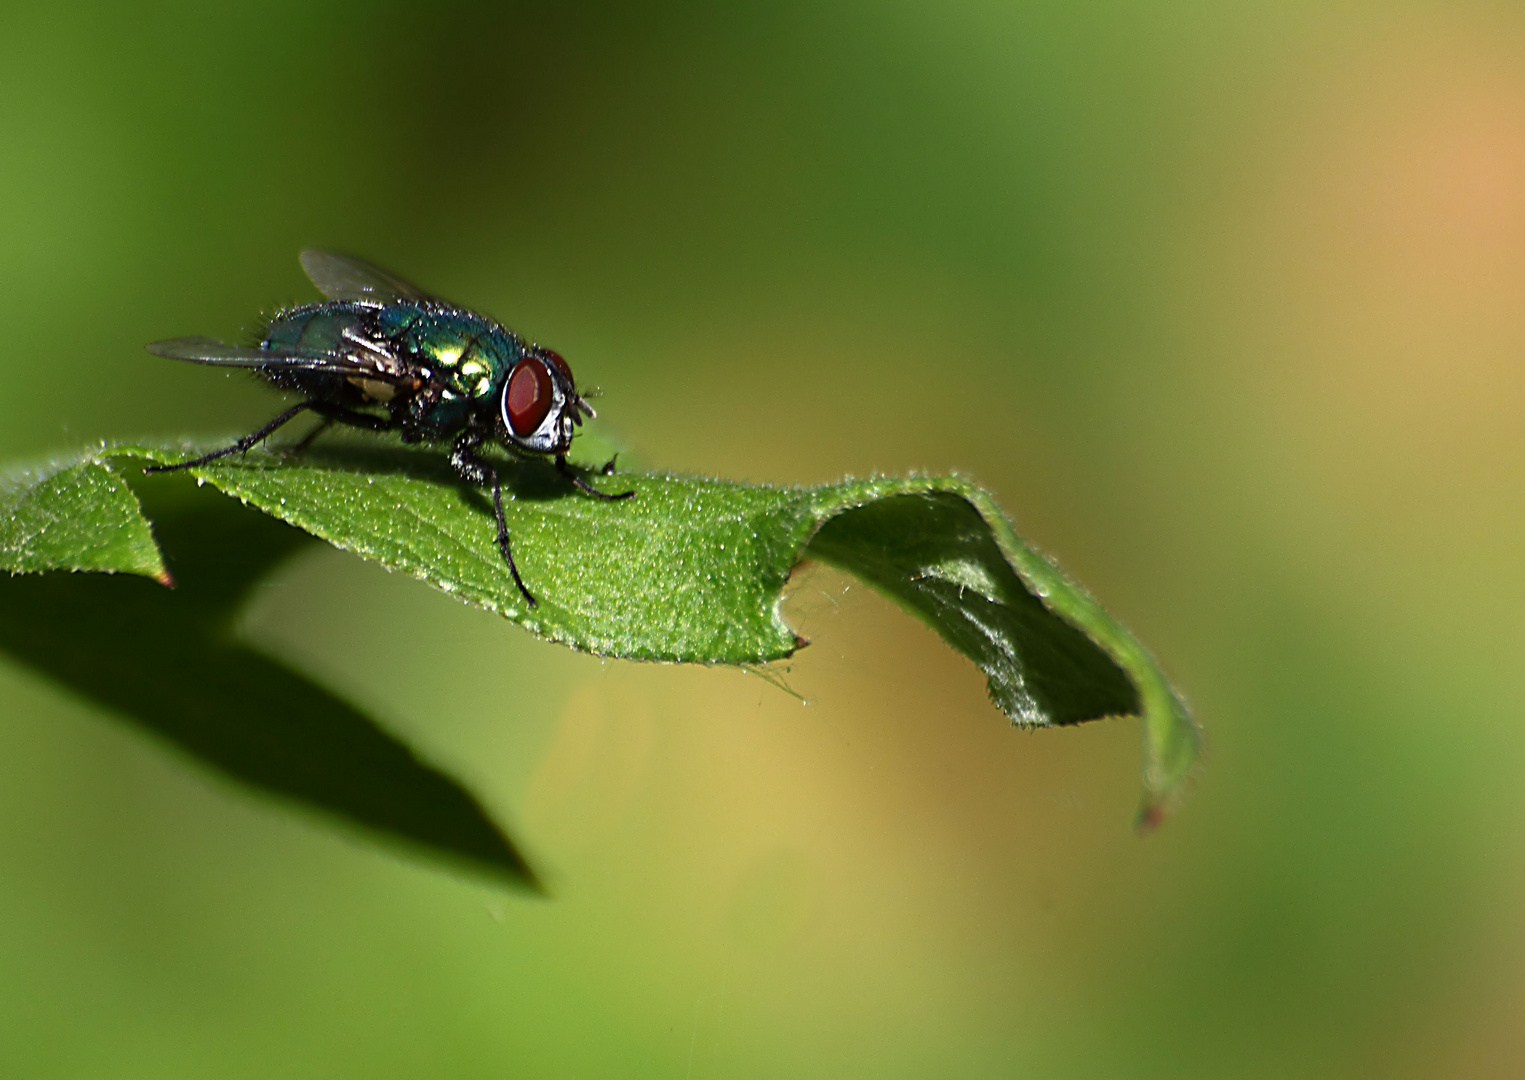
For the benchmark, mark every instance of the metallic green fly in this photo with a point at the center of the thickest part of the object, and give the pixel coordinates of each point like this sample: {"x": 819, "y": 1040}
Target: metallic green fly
{"x": 383, "y": 355}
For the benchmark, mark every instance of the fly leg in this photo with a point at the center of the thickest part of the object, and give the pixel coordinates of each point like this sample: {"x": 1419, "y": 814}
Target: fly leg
{"x": 474, "y": 468}
{"x": 337, "y": 414}
{"x": 243, "y": 445}
{"x": 583, "y": 486}
{"x": 309, "y": 438}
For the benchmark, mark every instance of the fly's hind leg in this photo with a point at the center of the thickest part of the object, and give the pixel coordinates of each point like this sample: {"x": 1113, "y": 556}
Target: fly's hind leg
{"x": 307, "y": 440}
{"x": 338, "y": 414}
{"x": 474, "y": 468}
{"x": 242, "y": 446}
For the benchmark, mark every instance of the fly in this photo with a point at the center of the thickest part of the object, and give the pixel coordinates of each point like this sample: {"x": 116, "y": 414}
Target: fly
{"x": 383, "y": 355}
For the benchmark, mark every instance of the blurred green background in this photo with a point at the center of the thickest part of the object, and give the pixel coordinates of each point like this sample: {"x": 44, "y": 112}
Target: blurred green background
{"x": 1225, "y": 302}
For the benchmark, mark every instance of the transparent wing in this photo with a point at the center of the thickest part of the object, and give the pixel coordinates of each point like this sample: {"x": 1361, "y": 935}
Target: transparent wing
{"x": 340, "y": 277}
{"x": 205, "y": 350}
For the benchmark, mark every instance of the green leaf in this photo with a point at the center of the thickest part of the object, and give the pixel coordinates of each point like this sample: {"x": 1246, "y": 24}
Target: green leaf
{"x": 165, "y": 658}
{"x": 693, "y": 569}
{"x": 689, "y": 570}
{"x": 74, "y": 516}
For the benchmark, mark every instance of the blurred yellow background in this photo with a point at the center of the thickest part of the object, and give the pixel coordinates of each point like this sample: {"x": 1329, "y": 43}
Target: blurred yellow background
{"x": 1225, "y": 302}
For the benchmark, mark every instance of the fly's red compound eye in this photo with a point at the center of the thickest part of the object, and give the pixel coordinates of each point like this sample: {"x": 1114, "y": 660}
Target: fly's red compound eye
{"x": 527, "y": 400}
{"x": 561, "y": 365}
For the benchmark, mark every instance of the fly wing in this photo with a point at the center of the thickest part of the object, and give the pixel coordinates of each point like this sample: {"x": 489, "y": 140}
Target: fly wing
{"x": 205, "y": 350}
{"x": 341, "y": 277}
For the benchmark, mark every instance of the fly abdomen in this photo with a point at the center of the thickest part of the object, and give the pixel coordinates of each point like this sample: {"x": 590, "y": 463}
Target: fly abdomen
{"x": 343, "y": 330}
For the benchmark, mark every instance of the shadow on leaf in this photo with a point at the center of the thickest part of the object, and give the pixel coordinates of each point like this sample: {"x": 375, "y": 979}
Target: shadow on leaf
{"x": 166, "y": 659}
{"x": 534, "y": 480}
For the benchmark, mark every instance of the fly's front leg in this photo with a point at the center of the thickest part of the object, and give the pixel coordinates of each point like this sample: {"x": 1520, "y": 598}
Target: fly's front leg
{"x": 583, "y": 486}
{"x": 474, "y": 468}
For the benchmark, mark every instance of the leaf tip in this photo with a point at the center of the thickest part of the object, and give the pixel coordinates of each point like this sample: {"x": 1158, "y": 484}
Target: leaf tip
{"x": 1150, "y": 815}
{"x": 165, "y": 578}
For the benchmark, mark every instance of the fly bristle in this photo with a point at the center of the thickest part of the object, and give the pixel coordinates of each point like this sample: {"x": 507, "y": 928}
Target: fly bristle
{"x": 257, "y": 333}
{"x": 254, "y": 336}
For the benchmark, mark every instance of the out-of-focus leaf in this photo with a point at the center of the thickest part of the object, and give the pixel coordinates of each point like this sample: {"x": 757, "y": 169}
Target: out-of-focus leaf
{"x": 166, "y": 659}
